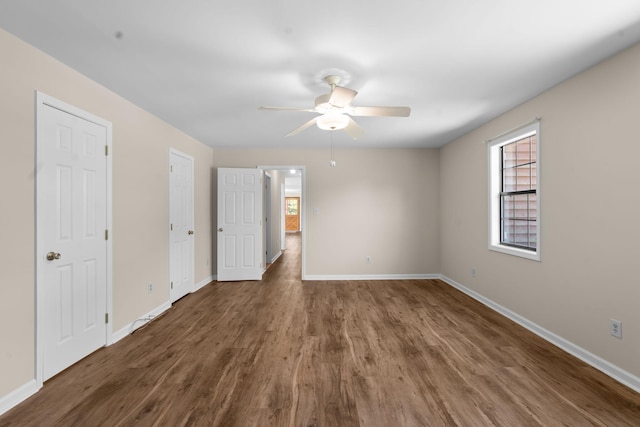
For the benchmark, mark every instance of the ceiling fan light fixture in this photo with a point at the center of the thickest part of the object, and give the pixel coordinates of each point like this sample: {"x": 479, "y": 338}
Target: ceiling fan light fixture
{"x": 332, "y": 121}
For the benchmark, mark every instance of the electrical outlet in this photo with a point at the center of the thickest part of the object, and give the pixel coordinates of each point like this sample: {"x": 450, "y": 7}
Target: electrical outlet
{"x": 150, "y": 288}
{"x": 368, "y": 260}
{"x": 474, "y": 272}
{"x": 616, "y": 328}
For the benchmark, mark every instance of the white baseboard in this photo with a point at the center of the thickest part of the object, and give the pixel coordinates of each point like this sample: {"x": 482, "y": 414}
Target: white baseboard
{"x": 203, "y": 283}
{"x": 18, "y": 395}
{"x": 275, "y": 258}
{"x": 597, "y": 362}
{"x": 372, "y": 277}
{"x": 138, "y": 323}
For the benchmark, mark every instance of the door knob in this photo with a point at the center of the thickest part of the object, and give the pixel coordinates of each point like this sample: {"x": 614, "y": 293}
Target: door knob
{"x": 190, "y": 232}
{"x": 53, "y": 255}
{"x": 220, "y": 229}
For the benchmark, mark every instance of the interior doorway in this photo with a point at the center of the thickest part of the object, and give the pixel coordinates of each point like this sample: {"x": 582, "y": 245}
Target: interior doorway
{"x": 287, "y": 181}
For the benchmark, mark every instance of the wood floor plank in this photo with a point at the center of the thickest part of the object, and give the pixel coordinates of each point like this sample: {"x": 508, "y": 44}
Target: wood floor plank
{"x": 283, "y": 352}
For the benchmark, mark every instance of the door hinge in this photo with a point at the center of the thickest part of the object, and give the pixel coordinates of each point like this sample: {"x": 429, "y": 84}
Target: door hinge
{"x": 106, "y": 234}
{"x": 171, "y": 285}
{"x": 106, "y": 318}
{"x": 171, "y": 168}
{"x": 171, "y": 227}
{"x": 106, "y": 150}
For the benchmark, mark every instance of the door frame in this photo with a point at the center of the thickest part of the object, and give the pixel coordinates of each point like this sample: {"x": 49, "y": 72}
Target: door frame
{"x": 43, "y": 100}
{"x": 175, "y": 152}
{"x": 303, "y": 207}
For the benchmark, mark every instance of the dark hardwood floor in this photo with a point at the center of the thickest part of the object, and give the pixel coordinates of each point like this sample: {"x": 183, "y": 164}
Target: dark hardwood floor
{"x": 281, "y": 352}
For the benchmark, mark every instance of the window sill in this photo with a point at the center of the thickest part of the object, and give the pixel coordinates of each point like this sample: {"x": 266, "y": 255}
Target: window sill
{"x": 522, "y": 253}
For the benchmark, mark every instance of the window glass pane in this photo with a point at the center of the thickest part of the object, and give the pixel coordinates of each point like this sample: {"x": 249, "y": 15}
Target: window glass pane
{"x": 534, "y": 154}
{"x": 518, "y": 222}
{"x": 533, "y": 233}
{"x": 523, "y": 151}
{"x": 521, "y": 206}
{"x": 508, "y": 156}
{"x": 523, "y": 178}
{"x": 509, "y": 182}
{"x": 292, "y": 206}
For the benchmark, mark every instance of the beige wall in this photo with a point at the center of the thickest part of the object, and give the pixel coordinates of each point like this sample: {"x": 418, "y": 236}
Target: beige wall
{"x": 378, "y": 203}
{"x": 140, "y": 199}
{"x": 590, "y": 209}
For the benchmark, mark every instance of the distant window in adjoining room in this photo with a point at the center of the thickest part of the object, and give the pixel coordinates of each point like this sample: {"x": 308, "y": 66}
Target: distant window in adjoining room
{"x": 514, "y": 191}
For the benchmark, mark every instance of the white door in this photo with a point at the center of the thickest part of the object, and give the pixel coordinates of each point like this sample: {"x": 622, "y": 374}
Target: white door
{"x": 267, "y": 219}
{"x": 72, "y": 240}
{"x": 181, "y": 229}
{"x": 240, "y": 234}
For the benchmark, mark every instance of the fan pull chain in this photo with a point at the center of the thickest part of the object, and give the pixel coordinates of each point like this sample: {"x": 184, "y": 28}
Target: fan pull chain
{"x": 332, "y": 163}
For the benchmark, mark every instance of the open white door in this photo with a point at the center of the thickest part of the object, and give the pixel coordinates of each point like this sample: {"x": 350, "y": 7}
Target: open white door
{"x": 181, "y": 240}
{"x": 240, "y": 224}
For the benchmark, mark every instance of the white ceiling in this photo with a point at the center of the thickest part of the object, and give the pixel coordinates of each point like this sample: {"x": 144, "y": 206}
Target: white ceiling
{"x": 206, "y": 66}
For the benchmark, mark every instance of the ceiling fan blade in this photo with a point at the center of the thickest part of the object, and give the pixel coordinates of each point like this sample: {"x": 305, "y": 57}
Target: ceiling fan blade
{"x": 353, "y": 129}
{"x": 341, "y": 96}
{"x": 380, "y": 111}
{"x": 285, "y": 109}
{"x": 303, "y": 127}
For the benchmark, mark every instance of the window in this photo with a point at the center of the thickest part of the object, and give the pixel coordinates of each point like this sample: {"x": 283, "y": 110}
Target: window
{"x": 292, "y": 205}
{"x": 514, "y": 185}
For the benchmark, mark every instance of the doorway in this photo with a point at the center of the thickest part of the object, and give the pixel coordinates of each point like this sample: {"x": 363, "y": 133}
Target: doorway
{"x": 291, "y": 183}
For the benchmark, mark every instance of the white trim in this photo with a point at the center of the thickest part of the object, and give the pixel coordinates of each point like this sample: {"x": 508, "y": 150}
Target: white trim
{"x": 18, "y": 395}
{"x": 493, "y": 191}
{"x": 140, "y": 322}
{"x": 597, "y": 362}
{"x": 42, "y": 100}
{"x": 513, "y": 129}
{"x": 201, "y": 284}
{"x": 372, "y": 277}
{"x": 275, "y": 258}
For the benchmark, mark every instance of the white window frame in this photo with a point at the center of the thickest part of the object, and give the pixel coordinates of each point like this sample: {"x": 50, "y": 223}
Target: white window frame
{"x": 494, "y": 165}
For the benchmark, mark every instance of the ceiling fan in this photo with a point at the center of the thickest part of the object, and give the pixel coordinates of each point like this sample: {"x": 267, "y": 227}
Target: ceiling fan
{"x": 336, "y": 110}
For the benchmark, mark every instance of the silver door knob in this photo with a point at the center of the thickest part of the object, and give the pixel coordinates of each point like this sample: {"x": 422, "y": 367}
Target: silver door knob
{"x": 190, "y": 232}
{"x": 220, "y": 229}
{"x": 53, "y": 255}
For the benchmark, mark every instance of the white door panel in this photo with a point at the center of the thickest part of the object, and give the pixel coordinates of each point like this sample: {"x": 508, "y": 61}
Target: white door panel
{"x": 181, "y": 225}
{"x": 240, "y": 224}
{"x": 72, "y": 218}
